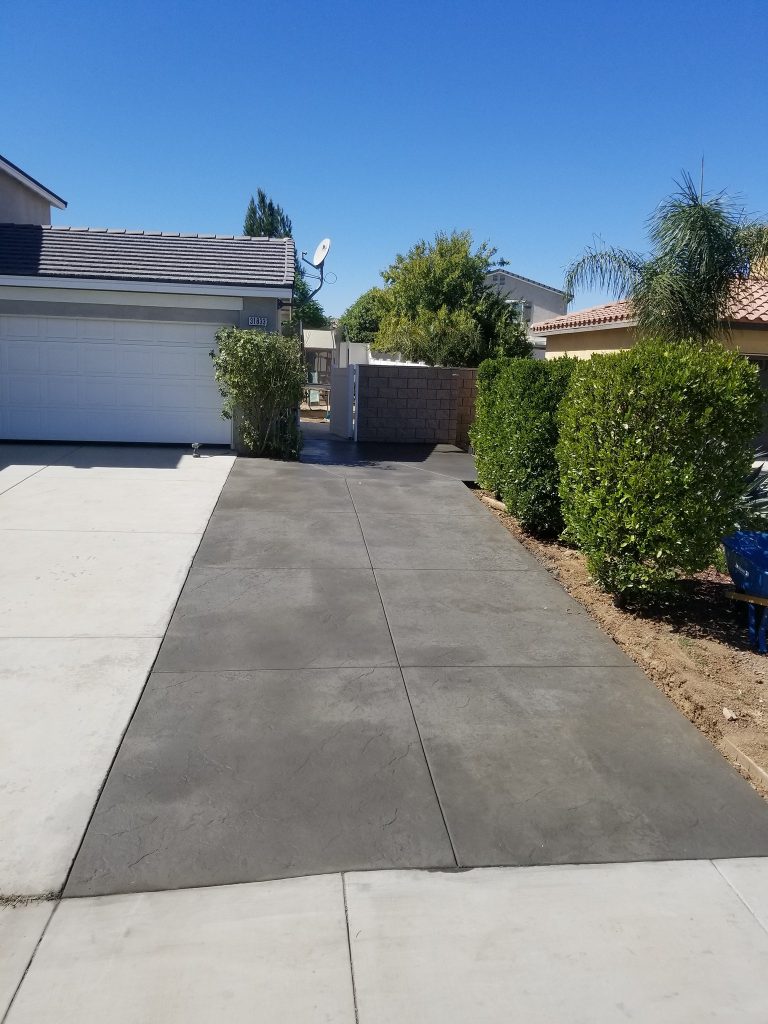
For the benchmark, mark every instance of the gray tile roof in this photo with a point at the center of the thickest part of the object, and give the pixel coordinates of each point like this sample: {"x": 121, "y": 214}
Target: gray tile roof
{"x": 108, "y": 254}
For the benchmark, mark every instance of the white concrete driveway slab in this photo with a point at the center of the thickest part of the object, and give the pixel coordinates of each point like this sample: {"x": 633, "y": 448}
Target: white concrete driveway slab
{"x": 94, "y": 551}
{"x": 109, "y": 503}
{"x": 656, "y": 943}
{"x": 20, "y": 461}
{"x": 65, "y": 583}
{"x": 274, "y": 952}
{"x": 65, "y": 706}
{"x": 20, "y": 930}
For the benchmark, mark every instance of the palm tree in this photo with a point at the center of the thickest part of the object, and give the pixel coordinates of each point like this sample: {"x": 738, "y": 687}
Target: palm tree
{"x": 703, "y": 251}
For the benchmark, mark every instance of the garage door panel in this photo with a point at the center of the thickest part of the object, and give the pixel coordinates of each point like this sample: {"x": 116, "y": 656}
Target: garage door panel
{"x": 63, "y": 357}
{"x": 136, "y": 359}
{"x": 96, "y": 330}
{"x": 61, "y": 393}
{"x": 98, "y": 359}
{"x": 176, "y": 361}
{"x": 19, "y": 326}
{"x": 22, "y": 357}
{"x": 175, "y": 395}
{"x": 135, "y": 394}
{"x": 23, "y": 422}
{"x": 86, "y": 380}
{"x": 97, "y": 393}
{"x": 57, "y": 328}
{"x": 25, "y": 391}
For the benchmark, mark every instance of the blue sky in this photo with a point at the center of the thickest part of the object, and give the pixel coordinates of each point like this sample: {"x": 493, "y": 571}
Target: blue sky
{"x": 534, "y": 125}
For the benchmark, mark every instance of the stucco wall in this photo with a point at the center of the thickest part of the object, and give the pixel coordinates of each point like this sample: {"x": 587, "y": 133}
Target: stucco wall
{"x": 260, "y": 308}
{"x": 19, "y": 205}
{"x": 583, "y": 344}
{"x": 415, "y": 404}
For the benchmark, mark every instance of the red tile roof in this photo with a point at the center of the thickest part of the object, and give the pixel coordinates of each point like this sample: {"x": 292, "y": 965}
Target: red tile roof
{"x": 750, "y": 306}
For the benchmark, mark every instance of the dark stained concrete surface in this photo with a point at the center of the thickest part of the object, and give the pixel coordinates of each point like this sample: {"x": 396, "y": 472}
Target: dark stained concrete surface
{"x": 366, "y": 670}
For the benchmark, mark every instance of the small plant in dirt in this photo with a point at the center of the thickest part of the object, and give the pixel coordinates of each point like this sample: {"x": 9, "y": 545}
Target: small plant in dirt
{"x": 261, "y": 378}
{"x": 654, "y": 447}
{"x": 515, "y": 435}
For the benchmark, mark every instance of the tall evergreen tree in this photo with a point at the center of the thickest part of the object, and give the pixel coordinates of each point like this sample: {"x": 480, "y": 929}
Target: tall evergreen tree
{"x": 266, "y": 217}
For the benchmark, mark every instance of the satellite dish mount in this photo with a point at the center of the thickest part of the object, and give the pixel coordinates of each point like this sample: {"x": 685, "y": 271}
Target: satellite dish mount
{"x": 318, "y": 263}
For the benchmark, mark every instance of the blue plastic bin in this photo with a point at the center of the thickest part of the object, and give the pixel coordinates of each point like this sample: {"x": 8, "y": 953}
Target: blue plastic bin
{"x": 746, "y": 553}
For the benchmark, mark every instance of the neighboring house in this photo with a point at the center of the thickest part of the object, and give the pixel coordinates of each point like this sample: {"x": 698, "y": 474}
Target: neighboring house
{"x": 611, "y": 327}
{"x": 105, "y": 334}
{"x": 23, "y": 200}
{"x": 536, "y": 301}
{"x": 320, "y": 346}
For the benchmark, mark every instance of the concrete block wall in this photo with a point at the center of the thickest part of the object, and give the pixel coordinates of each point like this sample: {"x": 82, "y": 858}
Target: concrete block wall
{"x": 466, "y": 392}
{"x": 415, "y": 404}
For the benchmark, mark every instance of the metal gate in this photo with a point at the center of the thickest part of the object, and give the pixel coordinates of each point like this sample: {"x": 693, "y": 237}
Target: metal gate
{"x": 344, "y": 402}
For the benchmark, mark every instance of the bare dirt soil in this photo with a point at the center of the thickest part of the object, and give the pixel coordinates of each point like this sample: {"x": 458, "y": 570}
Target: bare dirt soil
{"x": 694, "y": 647}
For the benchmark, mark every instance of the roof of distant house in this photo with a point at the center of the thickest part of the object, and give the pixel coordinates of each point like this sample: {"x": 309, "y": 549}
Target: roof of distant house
{"x": 749, "y": 306}
{"x": 36, "y": 186}
{"x": 528, "y": 280}
{"x": 32, "y": 250}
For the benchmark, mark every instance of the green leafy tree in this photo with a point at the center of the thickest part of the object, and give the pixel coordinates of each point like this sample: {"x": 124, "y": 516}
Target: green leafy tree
{"x": 265, "y": 217}
{"x": 361, "y": 321}
{"x": 439, "y": 308}
{"x": 703, "y": 250}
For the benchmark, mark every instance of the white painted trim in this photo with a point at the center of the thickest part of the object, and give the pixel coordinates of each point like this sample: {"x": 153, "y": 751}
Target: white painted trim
{"x": 580, "y": 330}
{"x": 33, "y": 186}
{"x": 121, "y": 285}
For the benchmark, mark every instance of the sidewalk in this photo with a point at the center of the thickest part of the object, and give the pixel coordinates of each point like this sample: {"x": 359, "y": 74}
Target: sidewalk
{"x": 659, "y": 943}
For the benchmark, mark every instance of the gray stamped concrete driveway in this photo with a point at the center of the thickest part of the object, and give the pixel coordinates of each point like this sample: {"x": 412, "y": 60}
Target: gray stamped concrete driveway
{"x": 365, "y": 670}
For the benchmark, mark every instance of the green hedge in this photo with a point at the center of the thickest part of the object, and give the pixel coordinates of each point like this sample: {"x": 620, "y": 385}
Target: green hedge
{"x": 654, "y": 446}
{"x": 488, "y": 430}
{"x": 515, "y": 434}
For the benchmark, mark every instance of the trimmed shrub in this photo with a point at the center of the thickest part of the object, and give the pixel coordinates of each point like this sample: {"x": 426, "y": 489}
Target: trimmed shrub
{"x": 261, "y": 378}
{"x": 488, "y": 432}
{"x": 654, "y": 446}
{"x": 515, "y": 435}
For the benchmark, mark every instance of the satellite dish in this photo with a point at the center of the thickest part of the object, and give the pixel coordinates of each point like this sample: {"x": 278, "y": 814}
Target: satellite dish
{"x": 321, "y": 252}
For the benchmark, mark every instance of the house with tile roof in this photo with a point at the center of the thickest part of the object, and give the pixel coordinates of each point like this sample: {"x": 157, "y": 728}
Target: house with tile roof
{"x": 535, "y": 301}
{"x": 105, "y": 334}
{"x": 611, "y": 327}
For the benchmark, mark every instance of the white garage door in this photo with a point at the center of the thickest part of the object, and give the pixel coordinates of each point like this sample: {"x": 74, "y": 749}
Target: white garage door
{"x": 72, "y": 379}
